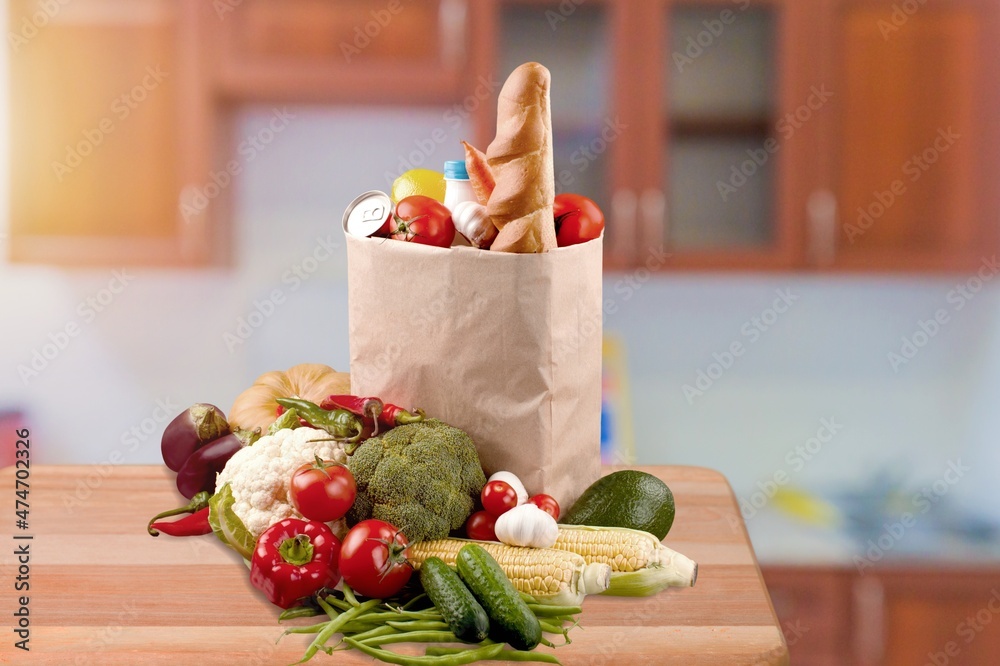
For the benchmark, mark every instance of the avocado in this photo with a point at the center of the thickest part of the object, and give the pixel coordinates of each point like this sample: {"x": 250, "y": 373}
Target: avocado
{"x": 627, "y": 498}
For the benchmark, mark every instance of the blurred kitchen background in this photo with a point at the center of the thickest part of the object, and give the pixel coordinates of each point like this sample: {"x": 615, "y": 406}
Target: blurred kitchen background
{"x": 802, "y": 202}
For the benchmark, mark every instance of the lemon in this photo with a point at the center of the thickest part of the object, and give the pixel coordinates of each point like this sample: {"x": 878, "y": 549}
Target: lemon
{"x": 419, "y": 181}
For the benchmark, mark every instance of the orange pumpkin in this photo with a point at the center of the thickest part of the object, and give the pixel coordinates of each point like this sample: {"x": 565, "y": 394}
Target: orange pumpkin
{"x": 257, "y": 407}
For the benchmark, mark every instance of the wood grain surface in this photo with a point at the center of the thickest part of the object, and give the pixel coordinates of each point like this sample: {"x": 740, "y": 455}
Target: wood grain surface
{"x": 105, "y": 592}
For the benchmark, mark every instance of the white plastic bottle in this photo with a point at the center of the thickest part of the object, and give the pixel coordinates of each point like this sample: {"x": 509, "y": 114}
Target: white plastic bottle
{"x": 457, "y": 187}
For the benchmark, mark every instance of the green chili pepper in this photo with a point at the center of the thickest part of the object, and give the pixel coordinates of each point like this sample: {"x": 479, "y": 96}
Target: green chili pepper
{"x": 341, "y": 424}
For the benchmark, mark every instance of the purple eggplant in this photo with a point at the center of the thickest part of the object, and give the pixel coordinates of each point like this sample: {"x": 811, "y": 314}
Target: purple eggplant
{"x": 198, "y": 472}
{"x": 193, "y": 428}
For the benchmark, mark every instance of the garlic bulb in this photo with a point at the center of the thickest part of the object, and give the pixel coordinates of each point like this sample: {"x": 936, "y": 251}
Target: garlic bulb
{"x": 471, "y": 221}
{"x": 511, "y": 479}
{"x": 527, "y": 525}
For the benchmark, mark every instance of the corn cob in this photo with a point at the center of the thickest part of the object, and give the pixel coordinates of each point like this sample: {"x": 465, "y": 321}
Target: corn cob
{"x": 553, "y": 577}
{"x": 640, "y": 564}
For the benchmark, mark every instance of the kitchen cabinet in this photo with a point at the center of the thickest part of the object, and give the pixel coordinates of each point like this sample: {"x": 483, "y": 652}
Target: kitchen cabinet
{"x": 110, "y": 124}
{"x": 757, "y": 135}
{"x": 910, "y": 146}
{"x": 919, "y": 614}
{"x": 352, "y": 51}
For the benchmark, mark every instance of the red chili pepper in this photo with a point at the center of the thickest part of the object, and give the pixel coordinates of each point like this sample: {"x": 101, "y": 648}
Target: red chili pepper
{"x": 380, "y": 414}
{"x": 293, "y": 559}
{"x": 193, "y": 525}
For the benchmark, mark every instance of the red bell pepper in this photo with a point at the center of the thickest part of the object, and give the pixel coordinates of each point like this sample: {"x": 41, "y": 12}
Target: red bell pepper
{"x": 293, "y": 559}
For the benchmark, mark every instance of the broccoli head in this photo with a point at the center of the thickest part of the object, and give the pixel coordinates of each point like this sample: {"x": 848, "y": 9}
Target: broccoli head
{"x": 424, "y": 478}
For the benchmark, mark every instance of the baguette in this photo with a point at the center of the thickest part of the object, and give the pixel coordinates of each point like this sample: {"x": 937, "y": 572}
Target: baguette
{"x": 521, "y": 160}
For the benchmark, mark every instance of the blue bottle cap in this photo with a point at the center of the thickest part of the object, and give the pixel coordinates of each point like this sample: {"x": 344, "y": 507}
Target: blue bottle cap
{"x": 455, "y": 170}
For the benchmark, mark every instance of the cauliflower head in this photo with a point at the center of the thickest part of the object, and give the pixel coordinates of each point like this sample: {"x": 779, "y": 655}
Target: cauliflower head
{"x": 423, "y": 478}
{"x": 259, "y": 476}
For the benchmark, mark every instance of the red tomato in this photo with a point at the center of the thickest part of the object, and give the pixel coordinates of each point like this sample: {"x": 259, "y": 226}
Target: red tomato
{"x": 323, "y": 490}
{"x": 481, "y": 526}
{"x": 498, "y": 497}
{"x": 373, "y": 560}
{"x": 578, "y": 219}
{"x": 546, "y": 503}
{"x": 420, "y": 219}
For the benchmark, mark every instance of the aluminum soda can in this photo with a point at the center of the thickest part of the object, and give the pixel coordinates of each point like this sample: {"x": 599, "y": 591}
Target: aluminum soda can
{"x": 367, "y": 213}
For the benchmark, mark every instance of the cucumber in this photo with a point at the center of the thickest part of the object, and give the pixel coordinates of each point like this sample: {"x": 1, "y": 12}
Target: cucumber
{"x": 627, "y": 498}
{"x": 465, "y": 617}
{"x": 511, "y": 621}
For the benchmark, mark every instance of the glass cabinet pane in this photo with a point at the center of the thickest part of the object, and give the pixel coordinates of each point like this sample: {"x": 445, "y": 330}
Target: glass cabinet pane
{"x": 719, "y": 118}
{"x": 576, "y": 50}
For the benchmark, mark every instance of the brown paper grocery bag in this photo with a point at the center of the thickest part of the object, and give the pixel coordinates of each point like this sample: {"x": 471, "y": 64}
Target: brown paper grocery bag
{"x": 504, "y": 346}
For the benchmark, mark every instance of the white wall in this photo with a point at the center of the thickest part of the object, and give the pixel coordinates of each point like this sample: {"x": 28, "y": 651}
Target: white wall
{"x": 162, "y": 338}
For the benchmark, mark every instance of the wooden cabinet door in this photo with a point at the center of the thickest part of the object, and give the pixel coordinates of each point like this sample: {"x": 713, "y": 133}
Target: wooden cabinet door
{"x": 813, "y": 607}
{"x": 105, "y": 130}
{"x": 912, "y": 153}
{"x": 937, "y": 616}
{"x": 375, "y": 51}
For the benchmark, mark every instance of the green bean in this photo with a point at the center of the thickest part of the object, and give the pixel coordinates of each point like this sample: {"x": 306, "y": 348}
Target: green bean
{"x": 371, "y": 633}
{"x": 327, "y": 608}
{"x": 414, "y": 637}
{"x": 546, "y": 642}
{"x": 504, "y": 655}
{"x": 333, "y": 626}
{"x": 418, "y": 625}
{"x": 404, "y": 615}
{"x": 551, "y": 628}
{"x": 339, "y": 604}
{"x": 541, "y": 610}
{"x": 409, "y": 604}
{"x": 297, "y": 612}
{"x": 312, "y": 629}
{"x": 349, "y": 595}
{"x": 467, "y": 657}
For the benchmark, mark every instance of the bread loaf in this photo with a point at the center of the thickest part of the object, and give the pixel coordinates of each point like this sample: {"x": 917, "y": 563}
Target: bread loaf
{"x": 520, "y": 158}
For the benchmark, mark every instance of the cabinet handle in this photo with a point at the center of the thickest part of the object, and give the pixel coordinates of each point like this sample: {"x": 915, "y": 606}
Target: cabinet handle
{"x": 822, "y": 212}
{"x": 624, "y": 226}
{"x": 869, "y": 614}
{"x": 653, "y": 204}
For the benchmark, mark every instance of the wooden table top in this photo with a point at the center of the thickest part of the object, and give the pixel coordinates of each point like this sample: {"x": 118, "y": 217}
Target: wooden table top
{"x": 102, "y": 591}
